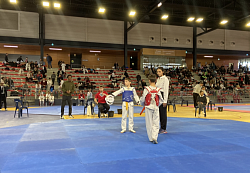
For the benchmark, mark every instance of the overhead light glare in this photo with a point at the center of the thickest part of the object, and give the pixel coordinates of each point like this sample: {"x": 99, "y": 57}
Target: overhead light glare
{"x": 132, "y": 13}
{"x": 223, "y": 22}
{"x": 57, "y": 5}
{"x": 55, "y": 49}
{"x": 10, "y": 46}
{"x": 164, "y": 17}
{"x": 248, "y": 24}
{"x": 95, "y": 51}
{"x": 101, "y": 10}
{"x": 160, "y": 4}
{"x": 13, "y": 1}
{"x": 199, "y": 20}
{"x": 45, "y": 4}
{"x": 208, "y": 56}
{"x": 190, "y": 19}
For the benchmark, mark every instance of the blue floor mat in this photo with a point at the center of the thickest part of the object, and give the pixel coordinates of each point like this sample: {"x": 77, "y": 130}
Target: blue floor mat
{"x": 76, "y": 110}
{"x": 96, "y": 145}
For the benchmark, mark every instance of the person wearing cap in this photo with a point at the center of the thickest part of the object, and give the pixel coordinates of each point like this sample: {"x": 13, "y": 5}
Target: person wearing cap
{"x": 3, "y": 95}
{"x": 100, "y": 100}
{"x": 196, "y": 92}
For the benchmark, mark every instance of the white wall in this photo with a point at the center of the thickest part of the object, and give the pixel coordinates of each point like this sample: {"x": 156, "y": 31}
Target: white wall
{"x": 28, "y": 26}
{"x": 60, "y": 27}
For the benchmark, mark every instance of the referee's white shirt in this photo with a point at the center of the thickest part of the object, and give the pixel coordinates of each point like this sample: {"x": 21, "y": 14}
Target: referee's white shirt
{"x": 163, "y": 83}
{"x": 197, "y": 89}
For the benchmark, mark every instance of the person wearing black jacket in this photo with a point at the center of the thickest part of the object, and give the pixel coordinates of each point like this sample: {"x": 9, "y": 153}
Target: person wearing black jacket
{"x": 138, "y": 77}
{"x": 6, "y": 58}
{"x": 3, "y": 95}
{"x": 201, "y": 102}
{"x": 246, "y": 79}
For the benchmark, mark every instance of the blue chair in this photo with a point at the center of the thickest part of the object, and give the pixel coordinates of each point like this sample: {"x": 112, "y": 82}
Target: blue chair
{"x": 20, "y": 108}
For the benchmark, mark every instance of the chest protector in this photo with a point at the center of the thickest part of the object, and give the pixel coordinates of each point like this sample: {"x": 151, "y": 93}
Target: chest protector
{"x": 152, "y": 96}
{"x": 127, "y": 95}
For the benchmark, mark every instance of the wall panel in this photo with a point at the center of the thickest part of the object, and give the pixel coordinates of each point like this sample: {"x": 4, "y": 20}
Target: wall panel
{"x": 141, "y": 33}
{"x": 28, "y": 26}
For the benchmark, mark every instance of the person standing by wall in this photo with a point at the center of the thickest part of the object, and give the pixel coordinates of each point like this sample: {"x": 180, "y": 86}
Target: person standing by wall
{"x": 68, "y": 88}
{"x": 49, "y": 60}
{"x": 3, "y": 95}
{"x": 163, "y": 84}
{"x": 196, "y": 92}
{"x": 6, "y": 58}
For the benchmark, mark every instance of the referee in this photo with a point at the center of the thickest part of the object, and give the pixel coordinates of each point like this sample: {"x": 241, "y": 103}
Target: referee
{"x": 196, "y": 92}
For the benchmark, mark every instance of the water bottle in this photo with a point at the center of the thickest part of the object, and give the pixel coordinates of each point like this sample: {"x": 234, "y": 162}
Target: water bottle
{"x": 215, "y": 108}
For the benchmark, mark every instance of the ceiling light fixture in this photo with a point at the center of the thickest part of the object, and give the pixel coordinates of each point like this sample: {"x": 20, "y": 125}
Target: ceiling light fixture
{"x": 101, "y": 10}
{"x": 10, "y": 46}
{"x": 55, "y": 49}
{"x": 57, "y": 5}
{"x": 208, "y": 56}
{"x": 132, "y": 13}
{"x": 160, "y": 4}
{"x": 45, "y": 4}
{"x": 223, "y": 22}
{"x": 13, "y": 1}
{"x": 190, "y": 19}
{"x": 95, "y": 51}
{"x": 164, "y": 17}
{"x": 199, "y": 20}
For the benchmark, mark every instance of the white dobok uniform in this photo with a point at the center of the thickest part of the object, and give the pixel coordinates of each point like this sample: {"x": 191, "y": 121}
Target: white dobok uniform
{"x": 152, "y": 118}
{"x": 128, "y": 95}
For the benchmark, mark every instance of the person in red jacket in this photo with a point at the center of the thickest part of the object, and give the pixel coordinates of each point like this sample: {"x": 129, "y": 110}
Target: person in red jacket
{"x": 81, "y": 98}
{"x": 100, "y": 100}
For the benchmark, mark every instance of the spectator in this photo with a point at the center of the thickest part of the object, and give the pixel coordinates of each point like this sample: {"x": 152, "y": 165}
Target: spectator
{"x": 27, "y": 66}
{"x": 39, "y": 76}
{"x": 26, "y": 60}
{"x": 49, "y": 60}
{"x": 6, "y": 58}
{"x": 61, "y": 83}
{"x": 29, "y": 78}
{"x": 63, "y": 66}
{"x": 44, "y": 84}
{"x": 20, "y": 71}
{"x": 89, "y": 94}
{"x": 44, "y": 71}
{"x": 32, "y": 65}
{"x": 10, "y": 82}
{"x": 138, "y": 77}
{"x": 52, "y": 88}
{"x": 81, "y": 98}
{"x": 246, "y": 79}
{"x": 126, "y": 74}
{"x": 36, "y": 64}
{"x": 59, "y": 63}
{"x": 47, "y": 96}
{"x": 59, "y": 79}
{"x": 116, "y": 65}
{"x": 51, "y": 99}
{"x": 143, "y": 84}
{"x": 3, "y": 95}
{"x": 49, "y": 83}
{"x": 35, "y": 72}
{"x": 53, "y": 77}
{"x": 19, "y": 59}
{"x": 60, "y": 72}
{"x": 41, "y": 99}
{"x": 41, "y": 63}
{"x": 84, "y": 70}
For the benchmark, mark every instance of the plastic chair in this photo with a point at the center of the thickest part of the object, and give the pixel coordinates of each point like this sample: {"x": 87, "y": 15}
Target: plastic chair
{"x": 20, "y": 108}
{"x": 211, "y": 103}
{"x": 183, "y": 101}
{"x": 91, "y": 101}
{"x": 171, "y": 102}
{"x": 204, "y": 111}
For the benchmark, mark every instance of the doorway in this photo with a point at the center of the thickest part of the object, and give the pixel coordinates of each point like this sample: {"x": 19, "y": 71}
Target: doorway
{"x": 75, "y": 60}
